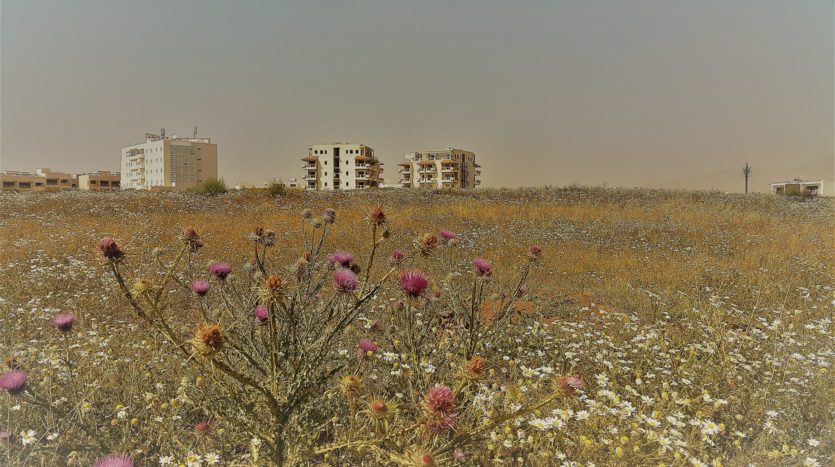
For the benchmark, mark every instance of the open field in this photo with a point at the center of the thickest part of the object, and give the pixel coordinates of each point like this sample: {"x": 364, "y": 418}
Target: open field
{"x": 657, "y": 327}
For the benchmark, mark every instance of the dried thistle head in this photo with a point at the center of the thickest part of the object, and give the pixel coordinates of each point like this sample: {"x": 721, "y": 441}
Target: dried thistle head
{"x": 570, "y": 384}
{"x": 209, "y": 339}
{"x": 350, "y": 385}
{"x": 475, "y": 367}
{"x": 379, "y": 408}
{"x": 273, "y": 284}
{"x": 141, "y": 286}
{"x": 427, "y": 243}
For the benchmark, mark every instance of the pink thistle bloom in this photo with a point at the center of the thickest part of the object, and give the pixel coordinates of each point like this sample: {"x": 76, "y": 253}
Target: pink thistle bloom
{"x": 447, "y": 235}
{"x": 536, "y": 251}
{"x": 202, "y": 427}
{"x": 441, "y": 399}
{"x": 114, "y": 460}
{"x": 571, "y": 384}
{"x": 396, "y": 257}
{"x": 345, "y": 280}
{"x": 367, "y": 345}
{"x": 220, "y": 270}
{"x": 261, "y": 313}
{"x": 522, "y": 291}
{"x": 110, "y": 249}
{"x": 441, "y": 424}
{"x": 13, "y": 382}
{"x": 413, "y": 283}
{"x": 200, "y": 287}
{"x": 342, "y": 258}
{"x": 5, "y": 437}
{"x": 63, "y": 321}
{"x": 377, "y": 216}
{"x": 482, "y": 267}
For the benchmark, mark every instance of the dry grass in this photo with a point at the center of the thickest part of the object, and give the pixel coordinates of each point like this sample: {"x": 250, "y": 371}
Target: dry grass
{"x": 718, "y": 297}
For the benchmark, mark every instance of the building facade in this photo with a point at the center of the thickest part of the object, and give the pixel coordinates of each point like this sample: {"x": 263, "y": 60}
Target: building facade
{"x": 799, "y": 187}
{"x": 168, "y": 162}
{"x": 341, "y": 166}
{"x": 43, "y": 179}
{"x": 99, "y": 181}
{"x": 445, "y": 168}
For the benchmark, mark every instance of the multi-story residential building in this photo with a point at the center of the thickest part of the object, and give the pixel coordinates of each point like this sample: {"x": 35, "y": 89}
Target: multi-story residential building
{"x": 800, "y": 187}
{"x": 446, "y": 168}
{"x": 168, "y": 162}
{"x": 341, "y": 166}
{"x": 99, "y": 181}
{"x": 42, "y": 179}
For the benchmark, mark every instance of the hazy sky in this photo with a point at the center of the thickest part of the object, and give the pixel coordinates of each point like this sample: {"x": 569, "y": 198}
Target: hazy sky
{"x": 549, "y": 91}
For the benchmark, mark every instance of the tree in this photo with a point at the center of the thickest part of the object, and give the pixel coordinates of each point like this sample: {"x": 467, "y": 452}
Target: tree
{"x": 746, "y": 171}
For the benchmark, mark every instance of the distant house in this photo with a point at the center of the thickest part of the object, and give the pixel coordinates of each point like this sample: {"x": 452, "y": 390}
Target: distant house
{"x": 799, "y": 187}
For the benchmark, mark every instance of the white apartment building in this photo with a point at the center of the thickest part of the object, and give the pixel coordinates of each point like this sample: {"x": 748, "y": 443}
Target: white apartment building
{"x": 800, "y": 187}
{"x": 168, "y": 162}
{"x": 445, "y": 168}
{"x": 341, "y": 166}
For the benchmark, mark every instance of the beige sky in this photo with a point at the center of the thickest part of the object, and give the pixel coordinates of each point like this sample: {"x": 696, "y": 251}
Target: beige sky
{"x": 545, "y": 92}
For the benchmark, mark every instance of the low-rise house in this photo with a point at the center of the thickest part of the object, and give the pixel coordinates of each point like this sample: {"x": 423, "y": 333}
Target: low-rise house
{"x": 99, "y": 181}
{"x": 43, "y": 179}
{"x": 800, "y": 187}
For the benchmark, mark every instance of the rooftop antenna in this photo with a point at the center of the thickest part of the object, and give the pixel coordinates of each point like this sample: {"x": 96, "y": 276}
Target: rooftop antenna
{"x": 162, "y": 133}
{"x": 195, "y": 131}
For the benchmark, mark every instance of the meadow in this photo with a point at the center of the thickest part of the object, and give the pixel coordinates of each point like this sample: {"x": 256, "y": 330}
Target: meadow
{"x": 571, "y": 326}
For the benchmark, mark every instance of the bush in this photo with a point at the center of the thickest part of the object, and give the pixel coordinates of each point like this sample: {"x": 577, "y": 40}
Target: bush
{"x": 212, "y": 187}
{"x": 277, "y": 189}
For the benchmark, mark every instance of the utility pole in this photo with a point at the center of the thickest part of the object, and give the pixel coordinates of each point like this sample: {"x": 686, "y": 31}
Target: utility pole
{"x": 746, "y": 171}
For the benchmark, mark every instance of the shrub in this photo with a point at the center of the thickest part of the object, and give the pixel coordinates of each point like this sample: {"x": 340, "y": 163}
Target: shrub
{"x": 277, "y": 188}
{"x": 212, "y": 187}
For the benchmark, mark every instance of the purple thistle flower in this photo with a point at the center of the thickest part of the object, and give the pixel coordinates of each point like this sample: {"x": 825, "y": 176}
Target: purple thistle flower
{"x": 482, "y": 267}
{"x": 200, "y": 287}
{"x": 440, "y": 399}
{"x": 536, "y": 251}
{"x": 342, "y": 258}
{"x": 396, "y": 257}
{"x": 447, "y": 235}
{"x": 220, "y": 270}
{"x": 110, "y": 249}
{"x": 440, "y": 424}
{"x": 63, "y": 321}
{"x": 522, "y": 291}
{"x": 261, "y": 313}
{"x": 13, "y": 382}
{"x": 114, "y": 460}
{"x": 413, "y": 283}
{"x": 345, "y": 280}
{"x": 367, "y": 345}
{"x": 329, "y": 216}
{"x": 5, "y": 437}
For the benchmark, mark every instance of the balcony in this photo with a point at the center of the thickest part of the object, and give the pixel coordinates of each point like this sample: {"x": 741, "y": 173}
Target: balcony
{"x": 309, "y": 177}
{"x": 309, "y": 165}
{"x": 449, "y": 168}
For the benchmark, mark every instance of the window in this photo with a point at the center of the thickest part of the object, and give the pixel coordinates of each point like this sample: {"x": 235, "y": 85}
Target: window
{"x": 346, "y": 183}
{"x": 326, "y": 183}
{"x": 326, "y": 174}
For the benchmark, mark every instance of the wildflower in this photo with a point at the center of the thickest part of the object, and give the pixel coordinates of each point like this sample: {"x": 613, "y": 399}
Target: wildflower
{"x": 341, "y": 258}
{"x": 209, "y": 339}
{"x": 535, "y": 252}
{"x": 379, "y": 408}
{"x": 166, "y": 460}
{"x": 220, "y": 270}
{"x": 261, "y": 313}
{"x": 5, "y": 437}
{"x": 396, "y": 257}
{"x": 345, "y": 280}
{"x": 522, "y": 291}
{"x": 192, "y": 239}
{"x": 441, "y": 399}
{"x": 269, "y": 238}
{"x": 202, "y": 427}
{"x": 459, "y": 455}
{"x": 377, "y": 216}
{"x": 63, "y": 321}
{"x": 482, "y": 267}
{"x": 812, "y": 442}
{"x": 13, "y": 382}
{"x": 307, "y": 214}
{"x": 570, "y": 384}
{"x": 423, "y": 459}
{"x": 447, "y": 235}
{"x": 200, "y": 287}
{"x": 475, "y": 367}
{"x": 413, "y": 283}
{"x": 28, "y": 437}
{"x": 440, "y": 424}
{"x": 329, "y": 216}
{"x": 114, "y": 460}
{"x": 367, "y": 347}
{"x": 211, "y": 458}
{"x": 110, "y": 250}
